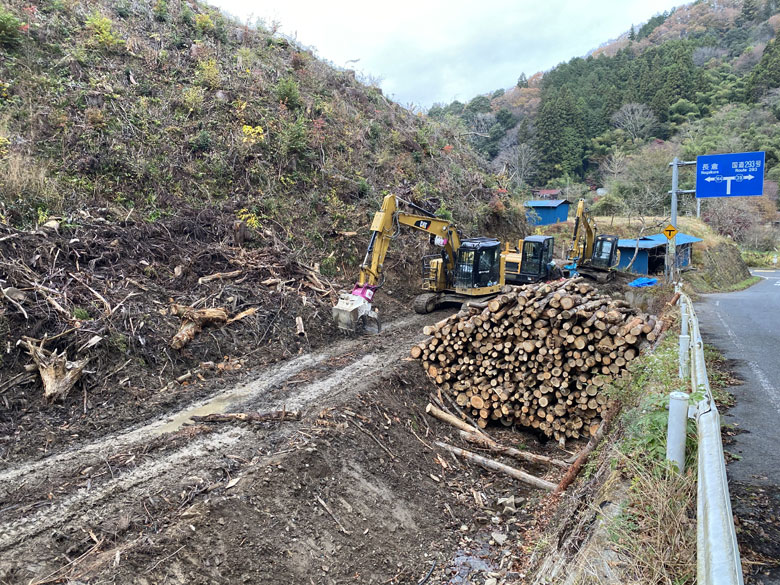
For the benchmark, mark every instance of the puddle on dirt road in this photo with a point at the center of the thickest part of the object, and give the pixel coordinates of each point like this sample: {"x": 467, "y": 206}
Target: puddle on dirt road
{"x": 217, "y": 405}
{"x": 471, "y": 566}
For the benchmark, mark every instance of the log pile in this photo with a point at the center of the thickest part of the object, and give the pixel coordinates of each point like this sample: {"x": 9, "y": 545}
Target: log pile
{"x": 537, "y": 355}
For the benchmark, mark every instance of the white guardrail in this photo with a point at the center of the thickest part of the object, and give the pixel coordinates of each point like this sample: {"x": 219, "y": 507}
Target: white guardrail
{"x": 717, "y": 552}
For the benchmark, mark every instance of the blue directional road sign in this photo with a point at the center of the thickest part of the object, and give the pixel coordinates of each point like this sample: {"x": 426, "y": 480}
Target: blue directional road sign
{"x": 730, "y": 175}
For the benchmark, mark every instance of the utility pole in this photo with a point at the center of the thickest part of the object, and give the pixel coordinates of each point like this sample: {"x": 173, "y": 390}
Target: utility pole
{"x": 671, "y": 249}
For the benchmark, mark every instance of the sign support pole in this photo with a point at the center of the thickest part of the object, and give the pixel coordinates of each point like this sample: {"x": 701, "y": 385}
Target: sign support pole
{"x": 671, "y": 247}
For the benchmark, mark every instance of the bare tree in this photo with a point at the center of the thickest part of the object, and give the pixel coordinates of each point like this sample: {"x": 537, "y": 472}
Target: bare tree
{"x": 733, "y": 217}
{"x": 521, "y": 162}
{"x": 636, "y": 120}
{"x": 613, "y": 165}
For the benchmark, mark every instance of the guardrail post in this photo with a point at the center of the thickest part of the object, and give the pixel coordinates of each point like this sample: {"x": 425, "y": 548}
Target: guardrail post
{"x": 685, "y": 357}
{"x": 683, "y": 317}
{"x": 676, "y": 430}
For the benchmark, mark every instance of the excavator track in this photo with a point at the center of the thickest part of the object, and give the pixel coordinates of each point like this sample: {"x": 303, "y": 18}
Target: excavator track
{"x": 425, "y": 303}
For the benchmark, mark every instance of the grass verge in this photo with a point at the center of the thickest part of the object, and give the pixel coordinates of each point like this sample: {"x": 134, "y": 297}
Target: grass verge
{"x": 700, "y": 286}
{"x": 655, "y": 531}
{"x": 756, "y": 259}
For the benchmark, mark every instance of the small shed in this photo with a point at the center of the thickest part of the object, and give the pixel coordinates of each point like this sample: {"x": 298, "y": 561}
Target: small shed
{"x": 547, "y": 211}
{"x": 651, "y": 256}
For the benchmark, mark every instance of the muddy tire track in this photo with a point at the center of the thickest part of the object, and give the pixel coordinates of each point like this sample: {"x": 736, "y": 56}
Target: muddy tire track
{"x": 360, "y": 361}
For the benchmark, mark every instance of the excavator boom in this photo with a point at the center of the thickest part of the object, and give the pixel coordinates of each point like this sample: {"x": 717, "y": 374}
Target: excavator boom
{"x": 354, "y": 311}
{"x": 591, "y": 254}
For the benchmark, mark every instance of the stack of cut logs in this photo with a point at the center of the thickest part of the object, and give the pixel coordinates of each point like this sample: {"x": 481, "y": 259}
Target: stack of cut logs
{"x": 537, "y": 355}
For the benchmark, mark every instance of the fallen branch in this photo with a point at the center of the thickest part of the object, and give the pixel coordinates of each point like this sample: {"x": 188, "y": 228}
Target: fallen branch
{"x": 253, "y": 417}
{"x": 17, "y": 380}
{"x": 219, "y": 276}
{"x": 100, "y": 297}
{"x": 510, "y": 451}
{"x": 493, "y": 465}
{"x": 332, "y": 515}
{"x": 58, "y": 575}
{"x": 11, "y": 300}
{"x": 58, "y": 307}
{"x": 242, "y": 314}
{"x": 453, "y": 420}
{"x": 57, "y": 373}
{"x": 299, "y": 330}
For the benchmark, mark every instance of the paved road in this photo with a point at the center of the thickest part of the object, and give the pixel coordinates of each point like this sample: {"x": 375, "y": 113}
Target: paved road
{"x": 745, "y": 326}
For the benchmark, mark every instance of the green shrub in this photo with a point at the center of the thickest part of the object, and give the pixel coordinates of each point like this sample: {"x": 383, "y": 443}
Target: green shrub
{"x": 101, "y": 32}
{"x": 204, "y": 23}
{"x": 193, "y": 98}
{"x": 208, "y": 73}
{"x": 122, "y": 9}
{"x": 288, "y": 93}
{"x": 81, "y": 314}
{"x": 187, "y": 17}
{"x": 160, "y": 10}
{"x": 294, "y": 137}
{"x": 10, "y": 35}
{"x": 201, "y": 142}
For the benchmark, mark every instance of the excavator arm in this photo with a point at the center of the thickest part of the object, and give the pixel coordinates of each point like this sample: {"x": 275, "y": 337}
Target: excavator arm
{"x": 354, "y": 310}
{"x": 585, "y": 241}
{"x": 584, "y": 236}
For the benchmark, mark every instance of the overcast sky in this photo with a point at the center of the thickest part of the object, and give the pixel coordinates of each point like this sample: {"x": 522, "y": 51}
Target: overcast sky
{"x": 428, "y": 51}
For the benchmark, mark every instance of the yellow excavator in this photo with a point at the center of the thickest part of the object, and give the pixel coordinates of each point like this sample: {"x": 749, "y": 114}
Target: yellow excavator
{"x": 591, "y": 255}
{"x": 474, "y": 267}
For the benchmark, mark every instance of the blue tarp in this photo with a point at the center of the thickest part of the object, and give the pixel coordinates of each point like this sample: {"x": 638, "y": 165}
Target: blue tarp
{"x": 643, "y": 282}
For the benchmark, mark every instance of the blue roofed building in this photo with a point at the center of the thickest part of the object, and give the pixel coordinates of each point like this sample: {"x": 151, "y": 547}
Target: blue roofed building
{"x": 547, "y": 211}
{"x": 651, "y": 252}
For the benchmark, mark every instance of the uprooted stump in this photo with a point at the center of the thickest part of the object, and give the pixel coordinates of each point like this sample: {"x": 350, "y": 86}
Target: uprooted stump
{"x": 57, "y": 373}
{"x": 193, "y": 321}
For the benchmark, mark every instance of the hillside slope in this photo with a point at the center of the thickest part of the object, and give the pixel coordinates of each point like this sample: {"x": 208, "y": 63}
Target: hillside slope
{"x": 158, "y": 156}
{"x": 155, "y": 106}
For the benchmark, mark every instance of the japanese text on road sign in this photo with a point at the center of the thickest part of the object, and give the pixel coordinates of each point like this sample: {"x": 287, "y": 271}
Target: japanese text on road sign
{"x": 730, "y": 175}
{"x": 670, "y": 231}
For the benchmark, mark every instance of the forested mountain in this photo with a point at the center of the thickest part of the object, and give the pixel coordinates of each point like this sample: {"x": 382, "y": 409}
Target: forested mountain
{"x": 655, "y": 83}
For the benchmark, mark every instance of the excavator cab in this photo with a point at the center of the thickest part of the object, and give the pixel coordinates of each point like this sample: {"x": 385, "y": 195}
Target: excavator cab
{"x": 478, "y": 267}
{"x": 605, "y": 252}
{"x": 535, "y": 261}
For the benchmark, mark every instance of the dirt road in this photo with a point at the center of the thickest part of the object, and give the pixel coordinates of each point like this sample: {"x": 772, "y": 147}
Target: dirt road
{"x": 346, "y": 495}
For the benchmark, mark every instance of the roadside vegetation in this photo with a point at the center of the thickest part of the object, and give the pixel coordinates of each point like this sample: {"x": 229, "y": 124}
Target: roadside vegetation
{"x": 655, "y": 531}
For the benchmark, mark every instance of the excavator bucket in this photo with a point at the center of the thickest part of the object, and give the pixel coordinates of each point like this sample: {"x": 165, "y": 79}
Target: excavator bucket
{"x": 354, "y": 314}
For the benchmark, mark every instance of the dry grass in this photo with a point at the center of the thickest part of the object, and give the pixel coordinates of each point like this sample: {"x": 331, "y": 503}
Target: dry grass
{"x": 24, "y": 181}
{"x": 656, "y": 532}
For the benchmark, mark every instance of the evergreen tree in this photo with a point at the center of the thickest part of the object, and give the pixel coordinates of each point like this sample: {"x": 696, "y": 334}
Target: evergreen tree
{"x": 766, "y": 74}
{"x": 522, "y": 81}
{"x": 749, "y": 11}
{"x": 560, "y": 136}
